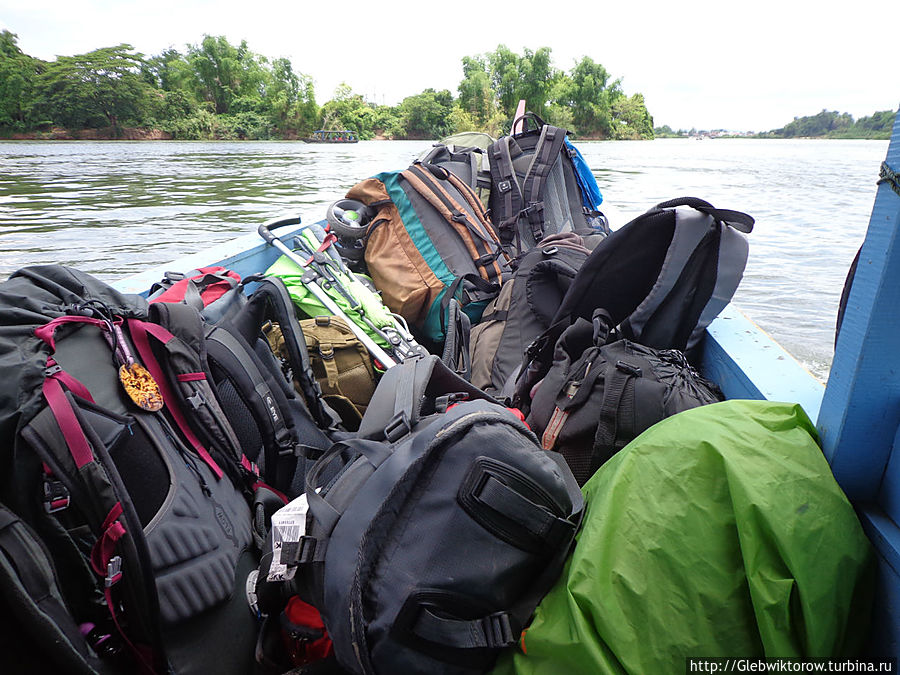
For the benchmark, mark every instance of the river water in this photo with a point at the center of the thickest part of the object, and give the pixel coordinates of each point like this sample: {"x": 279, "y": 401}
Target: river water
{"x": 114, "y": 208}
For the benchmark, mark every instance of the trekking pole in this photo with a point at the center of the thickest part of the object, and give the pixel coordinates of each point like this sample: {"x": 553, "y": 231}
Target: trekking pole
{"x": 321, "y": 295}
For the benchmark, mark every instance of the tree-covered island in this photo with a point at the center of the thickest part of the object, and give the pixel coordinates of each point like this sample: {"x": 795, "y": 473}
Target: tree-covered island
{"x": 217, "y": 90}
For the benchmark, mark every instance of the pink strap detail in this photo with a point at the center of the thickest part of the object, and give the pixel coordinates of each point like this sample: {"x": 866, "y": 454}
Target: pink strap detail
{"x": 71, "y": 429}
{"x": 278, "y": 493}
{"x": 101, "y": 555}
{"x": 190, "y": 377}
{"x": 247, "y": 464}
{"x": 68, "y": 380}
{"x": 140, "y": 332}
{"x": 45, "y": 332}
{"x": 104, "y": 547}
{"x": 142, "y": 653}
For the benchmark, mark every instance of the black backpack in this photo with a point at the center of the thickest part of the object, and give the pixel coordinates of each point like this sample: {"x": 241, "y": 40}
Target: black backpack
{"x": 524, "y": 309}
{"x": 597, "y": 397}
{"x": 444, "y": 527}
{"x": 138, "y": 515}
{"x": 661, "y": 279}
{"x": 536, "y": 189}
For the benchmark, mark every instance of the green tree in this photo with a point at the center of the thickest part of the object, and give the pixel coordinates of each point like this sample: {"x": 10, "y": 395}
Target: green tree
{"x": 476, "y": 96}
{"x": 347, "y": 110}
{"x": 590, "y": 94}
{"x": 631, "y": 121}
{"x": 222, "y": 72}
{"x": 536, "y": 79}
{"x": 97, "y": 89}
{"x": 19, "y": 75}
{"x": 427, "y": 115}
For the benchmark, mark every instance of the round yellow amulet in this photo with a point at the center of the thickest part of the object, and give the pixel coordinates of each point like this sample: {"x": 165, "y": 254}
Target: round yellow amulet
{"x": 141, "y": 387}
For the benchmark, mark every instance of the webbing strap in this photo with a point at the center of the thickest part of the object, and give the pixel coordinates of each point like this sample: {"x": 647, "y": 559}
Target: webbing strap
{"x": 109, "y": 566}
{"x": 479, "y": 242}
{"x": 104, "y": 548}
{"x": 46, "y": 332}
{"x": 489, "y": 632}
{"x": 501, "y": 159}
{"x": 62, "y": 410}
{"x": 141, "y": 332}
{"x": 547, "y": 151}
{"x": 614, "y": 383}
{"x": 551, "y": 530}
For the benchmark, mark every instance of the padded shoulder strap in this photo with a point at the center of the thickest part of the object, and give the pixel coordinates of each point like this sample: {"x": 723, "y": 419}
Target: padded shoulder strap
{"x": 546, "y": 153}
{"x": 271, "y": 301}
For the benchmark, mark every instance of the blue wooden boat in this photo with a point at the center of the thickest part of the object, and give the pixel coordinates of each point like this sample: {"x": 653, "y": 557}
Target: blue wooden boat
{"x": 857, "y": 413}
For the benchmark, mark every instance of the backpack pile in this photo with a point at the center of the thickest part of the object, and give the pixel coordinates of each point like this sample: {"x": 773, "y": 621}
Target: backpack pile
{"x": 144, "y": 449}
{"x": 616, "y": 357}
{"x": 523, "y": 309}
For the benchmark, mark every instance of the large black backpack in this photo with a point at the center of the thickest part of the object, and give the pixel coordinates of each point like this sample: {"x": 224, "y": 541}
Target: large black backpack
{"x": 138, "y": 518}
{"x": 661, "y": 278}
{"x": 524, "y": 309}
{"x": 598, "y": 396}
{"x": 443, "y": 529}
{"x": 536, "y": 187}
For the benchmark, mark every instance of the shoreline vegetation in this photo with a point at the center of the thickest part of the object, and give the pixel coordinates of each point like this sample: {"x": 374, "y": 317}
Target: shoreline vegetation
{"x": 218, "y": 91}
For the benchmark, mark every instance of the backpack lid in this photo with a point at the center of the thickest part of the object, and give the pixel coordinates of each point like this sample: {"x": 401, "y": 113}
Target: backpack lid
{"x": 29, "y": 299}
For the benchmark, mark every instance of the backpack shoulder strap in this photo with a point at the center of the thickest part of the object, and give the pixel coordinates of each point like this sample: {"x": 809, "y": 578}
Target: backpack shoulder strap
{"x": 546, "y": 153}
{"x": 506, "y": 191}
{"x": 271, "y": 302}
{"x": 478, "y": 238}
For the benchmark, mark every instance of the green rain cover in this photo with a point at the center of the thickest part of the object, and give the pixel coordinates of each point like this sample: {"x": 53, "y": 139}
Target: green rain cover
{"x": 718, "y": 532}
{"x": 362, "y": 297}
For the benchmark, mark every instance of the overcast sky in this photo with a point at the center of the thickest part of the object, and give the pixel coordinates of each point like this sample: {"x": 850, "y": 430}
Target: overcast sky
{"x": 698, "y": 63}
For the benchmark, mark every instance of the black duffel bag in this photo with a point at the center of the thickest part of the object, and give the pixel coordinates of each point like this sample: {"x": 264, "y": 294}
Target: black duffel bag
{"x": 597, "y": 397}
{"x": 443, "y": 529}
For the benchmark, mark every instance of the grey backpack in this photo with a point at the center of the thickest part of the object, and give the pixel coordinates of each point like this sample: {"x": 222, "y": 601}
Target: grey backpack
{"x": 443, "y": 529}
{"x": 540, "y": 186}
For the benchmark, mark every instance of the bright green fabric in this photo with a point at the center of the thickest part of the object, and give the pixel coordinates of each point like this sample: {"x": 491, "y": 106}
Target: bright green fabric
{"x": 291, "y": 273}
{"x": 720, "y": 531}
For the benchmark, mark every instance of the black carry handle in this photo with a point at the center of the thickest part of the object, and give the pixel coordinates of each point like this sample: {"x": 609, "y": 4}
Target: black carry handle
{"x": 528, "y": 117}
{"x": 264, "y": 229}
{"x": 737, "y": 219}
{"x": 321, "y": 509}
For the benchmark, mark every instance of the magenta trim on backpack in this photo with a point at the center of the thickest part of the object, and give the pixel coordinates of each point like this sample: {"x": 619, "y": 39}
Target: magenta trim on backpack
{"x": 77, "y": 442}
{"x": 140, "y": 333}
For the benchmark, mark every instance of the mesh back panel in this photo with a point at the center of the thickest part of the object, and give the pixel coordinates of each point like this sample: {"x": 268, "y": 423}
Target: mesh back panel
{"x": 239, "y": 415}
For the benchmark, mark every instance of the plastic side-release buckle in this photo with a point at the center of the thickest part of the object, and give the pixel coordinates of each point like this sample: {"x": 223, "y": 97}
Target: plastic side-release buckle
{"x": 197, "y": 400}
{"x": 56, "y": 496}
{"x": 397, "y": 428}
{"x": 628, "y": 368}
{"x": 294, "y": 553}
{"x": 443, "y": 403}
{"x": 498, "y": 632}
{"x": 113, "y": 571}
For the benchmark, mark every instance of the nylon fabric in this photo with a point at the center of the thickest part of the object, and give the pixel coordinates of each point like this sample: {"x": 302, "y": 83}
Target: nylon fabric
{"x": 718, "y": 532}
